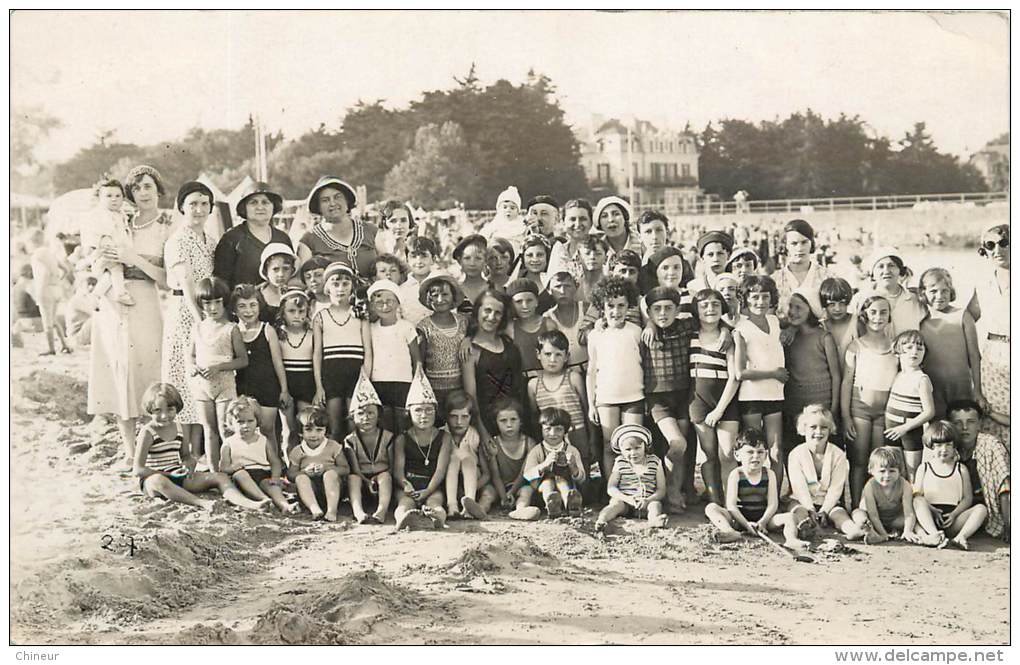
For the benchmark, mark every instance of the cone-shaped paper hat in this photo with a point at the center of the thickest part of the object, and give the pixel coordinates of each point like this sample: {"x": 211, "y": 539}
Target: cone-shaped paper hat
{"x": 421, "y": 390}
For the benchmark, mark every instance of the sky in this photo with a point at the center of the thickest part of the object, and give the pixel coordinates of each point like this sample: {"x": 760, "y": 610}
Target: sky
{"x": 151, "y": 76}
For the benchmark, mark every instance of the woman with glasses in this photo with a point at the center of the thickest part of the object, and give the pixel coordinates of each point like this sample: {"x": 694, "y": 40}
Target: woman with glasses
{"x": 990, "y": 308}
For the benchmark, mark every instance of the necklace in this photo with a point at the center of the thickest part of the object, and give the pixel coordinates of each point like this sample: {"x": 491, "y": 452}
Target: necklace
{"x": 286, "y": 338}
{"x": 350, "y": 313}
{"x": 137, "y": 227}
{"x": 422, "y": 452}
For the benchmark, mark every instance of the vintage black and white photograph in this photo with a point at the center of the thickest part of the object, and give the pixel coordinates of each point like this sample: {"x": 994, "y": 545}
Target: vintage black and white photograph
{"x": 532, "y": 327}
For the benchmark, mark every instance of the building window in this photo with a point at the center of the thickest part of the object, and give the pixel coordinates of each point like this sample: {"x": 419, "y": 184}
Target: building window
{"x": 683, "y": 147}
{"x": 686, "y": 170}
{"x": 672, "y": 171}
{"x": 603, "y": 172}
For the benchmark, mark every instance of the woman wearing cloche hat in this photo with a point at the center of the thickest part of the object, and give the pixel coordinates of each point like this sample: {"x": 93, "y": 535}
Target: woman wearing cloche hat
{"x": 338, "y": 235}
{"x": 239, "y": 252}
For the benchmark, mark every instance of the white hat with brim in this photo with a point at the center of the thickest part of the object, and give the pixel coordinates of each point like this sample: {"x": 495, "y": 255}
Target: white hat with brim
{"x": 271, "y": 250}
{"x": 385, "y": 285}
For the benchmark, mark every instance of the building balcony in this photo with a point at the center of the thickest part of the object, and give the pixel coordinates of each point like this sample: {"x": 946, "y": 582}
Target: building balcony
{"x": 667, "y": 181}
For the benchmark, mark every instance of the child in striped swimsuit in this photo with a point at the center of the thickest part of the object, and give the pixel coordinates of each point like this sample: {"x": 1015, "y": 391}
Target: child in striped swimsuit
{"x": 713, "y": 409}
{"x": 911, "y": 399}
{"x": 752, "y": 497}
{"x": 559, "y": 387}
{"x": 165, "y": 466}
{"x": 638, "y": 482}
{"x": 294, "y": 330}
{"x": 342, "y": 347}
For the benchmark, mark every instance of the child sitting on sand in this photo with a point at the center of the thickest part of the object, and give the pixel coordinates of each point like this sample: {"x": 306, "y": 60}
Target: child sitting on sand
{"x": 467, "y": 462}
{"x": 819, "y": 472}
{"x": 509, "y": 449}
{"x": 752, "y": 497}
{"x": 250, "y": 459}
{"x": 165, "y": 466}
{"x": 421, "y": 456}
{"x": 370, "y": 450}
{"x": 637, "y": 483}
{"x": 554, "y": 468}
{"x": 887, "y": 507}
{"x": 318, "y": 465}
{"x": 944, "y": 499}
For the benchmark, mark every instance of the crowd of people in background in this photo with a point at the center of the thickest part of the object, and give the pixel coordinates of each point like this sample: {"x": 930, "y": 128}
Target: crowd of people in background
{"x": 557, "y": 357}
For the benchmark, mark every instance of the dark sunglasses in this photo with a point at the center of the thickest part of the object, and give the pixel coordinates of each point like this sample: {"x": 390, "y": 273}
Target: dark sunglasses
{"x": 989, "y": 245}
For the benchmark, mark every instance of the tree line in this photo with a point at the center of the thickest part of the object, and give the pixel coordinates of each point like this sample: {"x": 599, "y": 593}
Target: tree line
{"x": 467, "y": 143}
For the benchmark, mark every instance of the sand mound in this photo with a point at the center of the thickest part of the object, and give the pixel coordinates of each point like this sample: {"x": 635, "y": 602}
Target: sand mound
{"x": 61, "y": 396}
{"x": 502, "y": 552}
{"x": 350, "y": 607}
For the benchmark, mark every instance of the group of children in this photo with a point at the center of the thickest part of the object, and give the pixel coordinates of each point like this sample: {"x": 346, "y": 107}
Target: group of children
{"x": 512, "y": 385}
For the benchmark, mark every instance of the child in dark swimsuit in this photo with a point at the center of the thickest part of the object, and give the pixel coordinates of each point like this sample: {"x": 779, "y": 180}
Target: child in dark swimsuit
{"x": 752, "y": 497}
{"x": 420, "y": 458}
{"x": 370, "y": 452}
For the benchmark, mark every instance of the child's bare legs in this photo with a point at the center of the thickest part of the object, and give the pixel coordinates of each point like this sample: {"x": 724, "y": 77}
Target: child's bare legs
{"x": 333, "y": 485}
{"x": 207, "y": 414}
{"x": 966, "y": 524}
{"x": 384, "y": 483}
{"x": 551, "y": 497}
{"x": 615, "y": 508}
{"x": 720, "y": 519}
{"x": 860, "y": 450}
{"x": 609, "y": 419}
{"x": 453, "y": 482}
{"x": 487, "y": 497}
{"x": 336, "y": 412}
{"x": 657, "y": 519}
{"x": 469, "y": 471}
{"x": 787, "y": 523}
{"x": 433, "y": 509}
{"x": 672, "y": 429}
{"x": 274, "y": 492}
{"x": 726, "y": 433}
{"x": 570, "y": 495}
{"x": 925, "y": 519}
{"x": 247, "y": 485}
{"x": 267, "y": 425}
{"x": 306, "y": 492}
{"x": 711, "y": 467}
{"x": 774, "y": 438}
{"x": 913, "y": 460}
{"x": 354, "y": 491}
{"x": 159, "y": 485}
{"x": 860, "y": 518}
{"x": 200, "y": 482}
{"x": 523, "y": 510}
{"x": 405, "y": 505}
{"x": 842, "y": 521}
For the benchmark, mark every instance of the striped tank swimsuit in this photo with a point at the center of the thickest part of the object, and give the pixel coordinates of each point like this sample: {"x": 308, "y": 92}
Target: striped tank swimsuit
{"x": 296, "y": 353}
{"x": 563, "y": 397}
{"x": 634, "y": 484}
{"x": 165, "y": 456}
{"x": 753, "y": 500}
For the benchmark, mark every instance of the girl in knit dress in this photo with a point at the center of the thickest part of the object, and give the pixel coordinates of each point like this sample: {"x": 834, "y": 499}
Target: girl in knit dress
{"x": 952, "y": 360}
{"x": 812, "y": 361}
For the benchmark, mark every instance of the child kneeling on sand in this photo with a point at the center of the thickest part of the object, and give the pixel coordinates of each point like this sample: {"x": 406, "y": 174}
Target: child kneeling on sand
{"x": 554, "y": 467}
{"x": 752, "y": 497}
{"x": 637, "y": 483}
{"x": 250, "y": 459}
{"x": 370, "y": 449}
{"x": 318, "y": 465}
{"x": 421, "y": 456}
{"x": 164, "y": 464}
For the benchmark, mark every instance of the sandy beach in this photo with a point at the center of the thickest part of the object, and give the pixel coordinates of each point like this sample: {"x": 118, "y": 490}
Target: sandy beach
{"x": 235, "y": 577}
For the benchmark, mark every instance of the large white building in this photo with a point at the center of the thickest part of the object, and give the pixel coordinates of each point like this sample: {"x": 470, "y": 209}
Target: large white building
{"x": 664, "y": 162}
